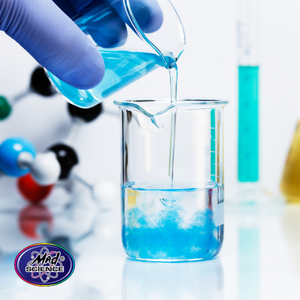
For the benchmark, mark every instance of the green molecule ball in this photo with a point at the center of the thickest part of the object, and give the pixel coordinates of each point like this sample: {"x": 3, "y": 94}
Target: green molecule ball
{"x": 5, "y": 108}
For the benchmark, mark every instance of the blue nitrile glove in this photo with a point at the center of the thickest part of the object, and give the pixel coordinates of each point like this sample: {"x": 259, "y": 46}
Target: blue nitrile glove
{"x": 108, "y": 29}
{"x": 53, "y": 39}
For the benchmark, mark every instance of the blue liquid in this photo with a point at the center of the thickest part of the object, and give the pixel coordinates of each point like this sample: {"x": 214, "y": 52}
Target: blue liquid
{"x": 165, "y": 224}
{"x": 121, "y": 69}
{"x": 248, "y": 143}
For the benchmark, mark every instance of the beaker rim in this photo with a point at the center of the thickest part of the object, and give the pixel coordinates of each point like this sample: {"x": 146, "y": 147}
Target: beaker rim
{"x": 179, "y": 103}
{"x": 159, "y": 107}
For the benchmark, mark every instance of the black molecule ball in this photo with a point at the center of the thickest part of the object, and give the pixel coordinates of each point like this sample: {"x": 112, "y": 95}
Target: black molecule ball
{"x": 66, "y": 157}
{"x": 40, "y": 83}
{"x": 86, "y": 114}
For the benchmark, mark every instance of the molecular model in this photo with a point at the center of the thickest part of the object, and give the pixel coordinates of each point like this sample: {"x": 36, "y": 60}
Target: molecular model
{"x": 38, "y": 173}
{"x": 39, "y": 84}
{"x": 36, "y": 223}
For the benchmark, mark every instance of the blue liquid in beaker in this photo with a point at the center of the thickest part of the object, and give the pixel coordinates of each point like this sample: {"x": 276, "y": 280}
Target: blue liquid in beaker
{"x": 171, "y": 224}
{"x": 121, "y": 69}
{"x": 248, "y": 143}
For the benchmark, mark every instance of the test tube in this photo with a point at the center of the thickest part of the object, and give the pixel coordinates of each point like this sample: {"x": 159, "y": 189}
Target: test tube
{"x": 249, "y": 190}
{"x": 248, "y": 91}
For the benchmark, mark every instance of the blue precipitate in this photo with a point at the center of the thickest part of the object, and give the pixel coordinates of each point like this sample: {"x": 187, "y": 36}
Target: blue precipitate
{"x": 165, "y": 238}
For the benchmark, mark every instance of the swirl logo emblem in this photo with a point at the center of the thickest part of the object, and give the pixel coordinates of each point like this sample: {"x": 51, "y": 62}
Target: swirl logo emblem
{"x": 44, "y": 264}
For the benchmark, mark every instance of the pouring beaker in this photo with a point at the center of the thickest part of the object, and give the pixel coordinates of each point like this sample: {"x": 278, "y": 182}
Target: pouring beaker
{"x": 179, "y": 217}
{"x": 134, "y": 37}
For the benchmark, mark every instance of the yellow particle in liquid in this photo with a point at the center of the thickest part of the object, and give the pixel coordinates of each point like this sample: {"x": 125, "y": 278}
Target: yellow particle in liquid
{"x": 133, "y": 198}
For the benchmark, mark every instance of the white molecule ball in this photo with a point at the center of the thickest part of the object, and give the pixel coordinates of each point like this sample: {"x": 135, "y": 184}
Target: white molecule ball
{"x": 45, "y": 169}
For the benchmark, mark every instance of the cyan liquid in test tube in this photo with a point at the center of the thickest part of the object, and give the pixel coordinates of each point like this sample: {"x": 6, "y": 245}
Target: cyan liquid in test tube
{"x": 248, "y": 82}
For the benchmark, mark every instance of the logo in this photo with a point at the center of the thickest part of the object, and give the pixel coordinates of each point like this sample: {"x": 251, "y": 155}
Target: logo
{"x": 44, "y": 264}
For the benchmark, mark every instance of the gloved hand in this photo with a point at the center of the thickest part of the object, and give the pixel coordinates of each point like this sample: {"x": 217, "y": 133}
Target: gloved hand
{"x": 53, "y": 39}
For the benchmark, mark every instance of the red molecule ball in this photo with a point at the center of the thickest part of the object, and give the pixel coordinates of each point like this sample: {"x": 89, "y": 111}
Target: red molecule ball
{"x": 31, "y": 217}
{"x": 32, "y": 191}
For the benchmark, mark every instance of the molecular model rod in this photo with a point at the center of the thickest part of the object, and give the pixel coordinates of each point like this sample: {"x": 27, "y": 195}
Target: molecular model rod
{"x": 74, "y": 131}
{"x": 21, "y": 95}
{"x": 62, "y": 154}
{"x": 39, "y": 84}
{"x": 18, "y": 157}
{"x": 65, "y": 150}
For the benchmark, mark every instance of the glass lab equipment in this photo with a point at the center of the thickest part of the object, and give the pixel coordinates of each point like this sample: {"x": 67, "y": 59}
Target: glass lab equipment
{"x": 136, "y": 50}
{"x": 172, "y": 214}
{"x": 249, "y": 190}
{"x": 290, "y": 180}
{"x": 248, "y": 79}
{"x": 248, "y": 92}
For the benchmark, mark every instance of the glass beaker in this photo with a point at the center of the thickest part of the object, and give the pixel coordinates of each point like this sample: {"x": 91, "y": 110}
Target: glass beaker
{"x": 172, "y": 214}
{"x": 134, "y": 37}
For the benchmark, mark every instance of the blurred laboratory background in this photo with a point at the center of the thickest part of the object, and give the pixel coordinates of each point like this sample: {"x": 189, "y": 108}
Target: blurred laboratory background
{"x": 207, "y": 70}
{"x": 260, "y": 245}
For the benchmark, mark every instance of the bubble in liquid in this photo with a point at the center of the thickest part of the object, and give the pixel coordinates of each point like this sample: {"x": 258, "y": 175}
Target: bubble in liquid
{"x": 168, "y": 202}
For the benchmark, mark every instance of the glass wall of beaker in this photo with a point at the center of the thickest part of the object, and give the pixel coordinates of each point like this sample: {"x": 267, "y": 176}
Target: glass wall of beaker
{"x": 172, "y": 179}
